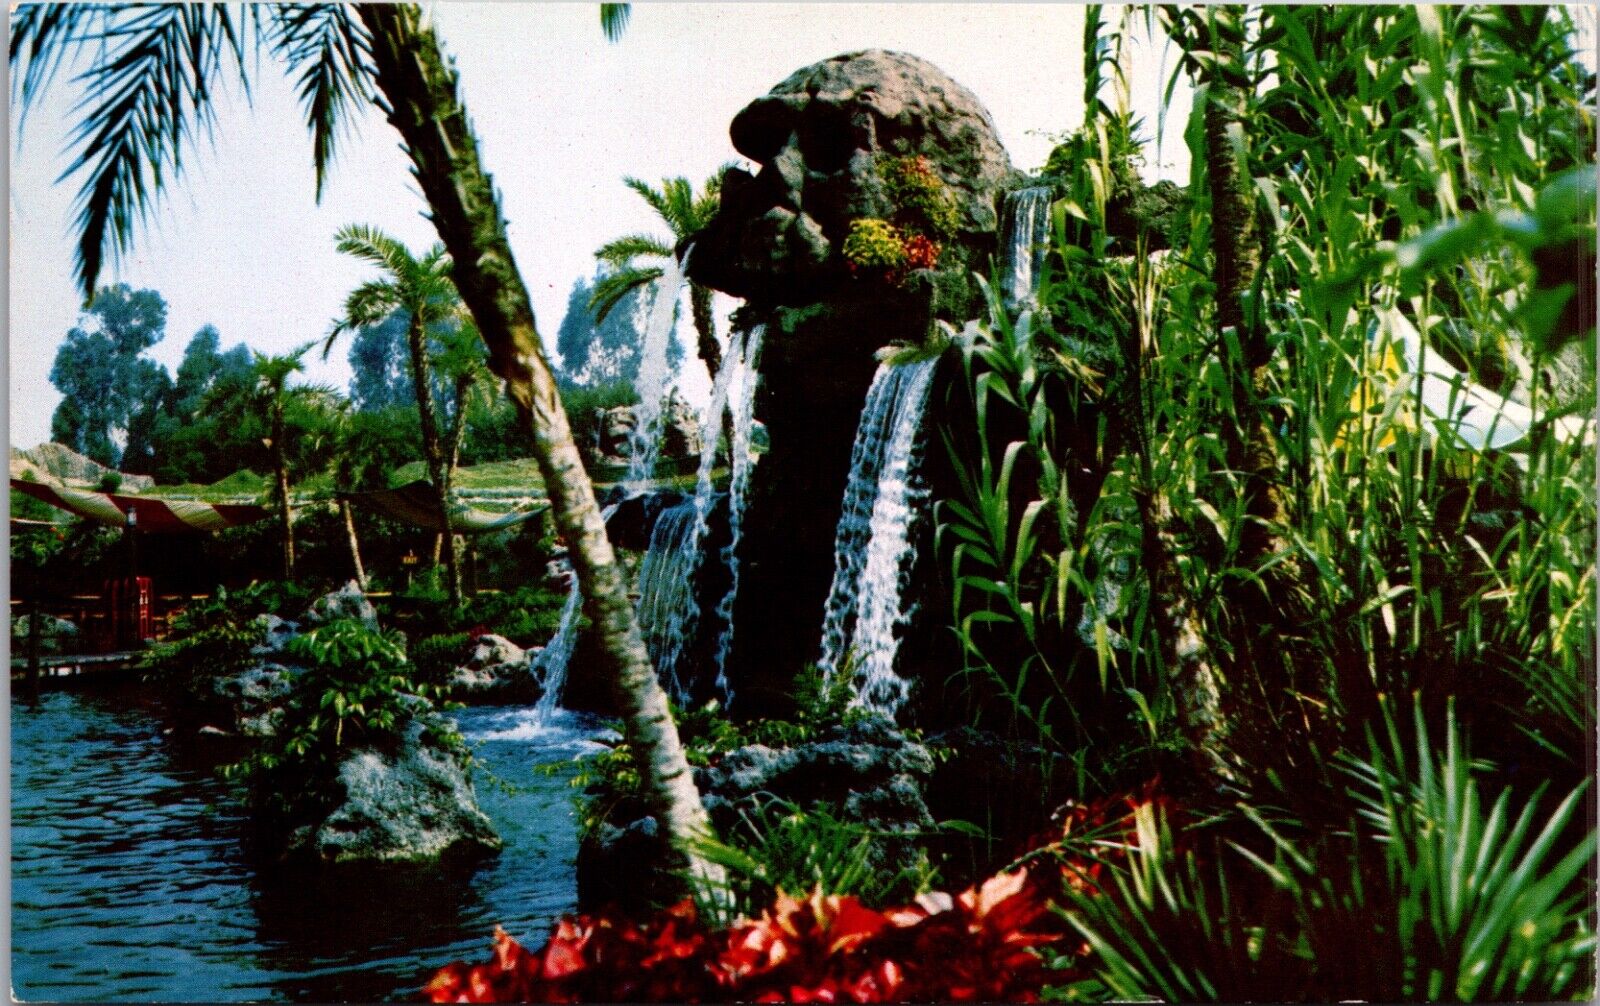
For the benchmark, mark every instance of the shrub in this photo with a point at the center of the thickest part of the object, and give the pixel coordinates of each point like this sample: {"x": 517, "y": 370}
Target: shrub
{"x": 435, "y": 657}
{"x": 1429, "y": 893}
{"x": 357, "y": 691}
{"x": 874, "y": 245}
{"x": 923, "y": 203}
{"x": 978, "y": 946}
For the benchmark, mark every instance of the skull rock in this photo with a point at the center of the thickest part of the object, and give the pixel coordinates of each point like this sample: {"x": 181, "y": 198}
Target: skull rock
{"x": 820, "y": 138}
{"x": 817, "y": 137}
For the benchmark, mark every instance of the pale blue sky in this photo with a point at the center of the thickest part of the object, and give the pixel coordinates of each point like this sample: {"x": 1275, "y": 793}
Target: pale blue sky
{"x": 562, "y": 115}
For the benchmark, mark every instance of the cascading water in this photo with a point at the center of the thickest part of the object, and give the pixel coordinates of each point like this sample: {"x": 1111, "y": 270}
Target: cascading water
{"x": 873, "y": 548}
{"x": 550, "y": 664}
{"x": 654, "y": 374}
{"x": 1025, "y": 230}
{"x": 674, "y": 613}
{"x": 741, "y": 464}
{"x": 667, "y": 607}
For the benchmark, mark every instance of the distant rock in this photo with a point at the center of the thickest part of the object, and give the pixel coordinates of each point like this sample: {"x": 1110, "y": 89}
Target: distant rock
{"x": 680, "y": 432}
{"x": 346, "y": 602}
{"x": 415, "y": 804}
{"x": 53, "y": 462}
{"x": 55, "y": 634}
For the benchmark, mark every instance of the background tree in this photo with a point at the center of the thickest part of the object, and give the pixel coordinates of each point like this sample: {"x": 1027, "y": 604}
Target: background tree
{"x": 421, "y": 288}
{"x": 106, "y": 387}
{"x": 631, "y": 257}
{"x": 597, "y": 350}
{"x": 188, "y": 444}
{"x": 149, "y": 90}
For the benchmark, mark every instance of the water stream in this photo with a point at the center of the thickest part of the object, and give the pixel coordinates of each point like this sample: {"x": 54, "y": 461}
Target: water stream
{"x": 1024, "y": 241}
{"x": 667, "y": 607}
{"x": 874, "y": 551}
{"x": 655, "y": 373}
{"x": 130, "y": 881}
{"x": 741, "y": 465}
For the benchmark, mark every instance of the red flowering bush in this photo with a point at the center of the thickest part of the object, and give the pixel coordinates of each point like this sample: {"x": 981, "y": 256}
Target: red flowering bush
{"x": 827, "y": 948}
{"x": 978, "y": 946}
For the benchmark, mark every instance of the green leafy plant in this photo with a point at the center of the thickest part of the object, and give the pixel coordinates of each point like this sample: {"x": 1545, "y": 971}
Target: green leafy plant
{"x": 923, "y": 203}
{"x": 357, "y": 691}
{"x": 874, "y": 245}
{"x": 782, "y": 847}
{"x": 1432, "y": 891}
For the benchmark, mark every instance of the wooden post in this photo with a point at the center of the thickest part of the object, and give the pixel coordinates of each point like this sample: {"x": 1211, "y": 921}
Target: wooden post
{"x": 33, "y": 647}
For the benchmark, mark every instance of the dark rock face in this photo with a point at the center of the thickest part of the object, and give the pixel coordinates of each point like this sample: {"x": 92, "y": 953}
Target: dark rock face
{"x": 412, "y": 805}
{"x": 776, "y": 241}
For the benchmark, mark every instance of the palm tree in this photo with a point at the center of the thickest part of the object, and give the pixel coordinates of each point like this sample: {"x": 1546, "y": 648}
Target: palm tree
{"x": 684, "y": 213}
{"x": 421, "y": 288}
{"x": 147, "y": 93}
{"x": 268, "y": 397}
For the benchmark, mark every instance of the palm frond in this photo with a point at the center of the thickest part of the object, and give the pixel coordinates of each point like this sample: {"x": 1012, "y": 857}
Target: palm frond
{"x": 660, "y": 201}
{"x": 610, "y": 290}
{"x": 146, "y": 97}
{"x": 369, "y": 244}
{"x": 621, "y": 252}
{"x": 330, "y": 48}
{"x": 43, "y": 35}
{"x": 614, "y": 20}
{"x": 368, "y": 304}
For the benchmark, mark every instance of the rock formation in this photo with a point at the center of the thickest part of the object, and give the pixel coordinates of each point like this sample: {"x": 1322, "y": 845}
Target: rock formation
{"x": 822, "y": 139}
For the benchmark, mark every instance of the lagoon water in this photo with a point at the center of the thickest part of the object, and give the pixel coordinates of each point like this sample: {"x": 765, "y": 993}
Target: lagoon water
{"x": 130, "y": 882}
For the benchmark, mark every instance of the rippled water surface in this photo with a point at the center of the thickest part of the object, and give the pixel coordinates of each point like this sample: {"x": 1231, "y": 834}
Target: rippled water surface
{"x": 130, "y": 883}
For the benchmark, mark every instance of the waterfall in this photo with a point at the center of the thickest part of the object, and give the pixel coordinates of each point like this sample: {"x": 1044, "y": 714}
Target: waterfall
{"x": 1025, "y": 239}
{"x": 873, "y": 550}
{"x": 667, "y": 608}
{"x": 550, "y": 664}
{"x": 654, "y": 374}
{"x": 741, "y": 463}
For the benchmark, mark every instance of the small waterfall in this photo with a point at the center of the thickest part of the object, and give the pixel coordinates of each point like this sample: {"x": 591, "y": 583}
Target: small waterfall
{"x": 550, "y": 664}
{"x": 667, "y": 608}
{"x": 873, "y": 550}
{"x": 654, "y": 374}
{"x": 1025, "y": 239}
{"x": 741, "y": 464}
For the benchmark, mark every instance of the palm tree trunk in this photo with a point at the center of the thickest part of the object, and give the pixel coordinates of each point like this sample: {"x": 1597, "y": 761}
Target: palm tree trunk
{"x": 355, "y": 544}
{"x": 423, "y": 104}
{"x": 432, "y": 450}
{"x": 281, "y": 465}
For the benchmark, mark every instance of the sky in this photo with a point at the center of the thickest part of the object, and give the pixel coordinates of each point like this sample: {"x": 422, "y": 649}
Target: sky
{"x": 240, "y": 242}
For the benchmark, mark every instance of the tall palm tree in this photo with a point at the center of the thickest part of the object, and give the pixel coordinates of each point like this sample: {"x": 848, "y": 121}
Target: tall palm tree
{"x": 684, "y": 213}
{"x": 420, "y": 287}
{"x": 269, "y": 397}
{"x": 148, "y": 91}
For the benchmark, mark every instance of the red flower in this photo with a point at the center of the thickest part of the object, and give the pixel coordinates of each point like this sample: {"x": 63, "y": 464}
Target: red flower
{"x": 921, "y": 252}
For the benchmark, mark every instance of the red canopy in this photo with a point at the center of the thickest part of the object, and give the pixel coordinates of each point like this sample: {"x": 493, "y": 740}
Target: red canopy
{"x": 151, "y": 515}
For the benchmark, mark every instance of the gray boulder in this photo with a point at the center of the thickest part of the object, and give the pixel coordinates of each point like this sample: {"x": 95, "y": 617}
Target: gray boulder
{"x": 413, "y": 805}
{"x": 346, "y": 602}
{"x": 255, "y": 698}
{"x": 496, "y": 673}
{"x": 277, "y": 631}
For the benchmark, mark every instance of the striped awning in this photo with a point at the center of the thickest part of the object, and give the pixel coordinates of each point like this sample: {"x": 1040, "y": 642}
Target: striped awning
{"x": 151, "y": 515}
{"x": 417, "y": 503}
